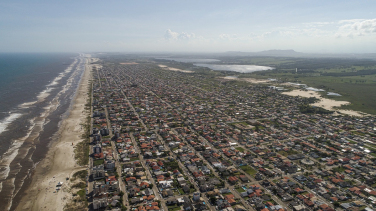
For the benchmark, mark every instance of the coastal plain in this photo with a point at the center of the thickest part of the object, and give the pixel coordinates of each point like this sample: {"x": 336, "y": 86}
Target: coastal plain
{"x": 171, "y": 136}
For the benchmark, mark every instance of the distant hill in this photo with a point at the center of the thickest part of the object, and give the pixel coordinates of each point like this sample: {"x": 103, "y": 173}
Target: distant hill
{"x": 293, "y": 53}
{"x": 282, "y": 53}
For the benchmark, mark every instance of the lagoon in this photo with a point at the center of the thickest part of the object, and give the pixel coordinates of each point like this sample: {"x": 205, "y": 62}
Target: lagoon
{"x": 235, "y": 68}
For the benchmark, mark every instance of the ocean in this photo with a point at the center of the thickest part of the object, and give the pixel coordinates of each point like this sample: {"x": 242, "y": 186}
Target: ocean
{"x": 36, "y": 91}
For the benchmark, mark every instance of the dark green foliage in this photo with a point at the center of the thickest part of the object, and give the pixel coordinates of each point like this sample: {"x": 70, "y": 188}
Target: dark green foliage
{"x": 80, "y": 174}
{"x": 308, "y": 109}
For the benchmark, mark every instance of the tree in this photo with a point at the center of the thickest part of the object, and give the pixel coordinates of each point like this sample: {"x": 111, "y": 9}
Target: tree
{"x": 213, "y": 200}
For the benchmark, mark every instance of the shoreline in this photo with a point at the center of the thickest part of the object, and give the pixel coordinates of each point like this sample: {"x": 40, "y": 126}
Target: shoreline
{"x": 59, "y": 162}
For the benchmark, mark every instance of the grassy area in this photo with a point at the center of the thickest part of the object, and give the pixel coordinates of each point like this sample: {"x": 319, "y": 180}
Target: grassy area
{"x": 248, "y": 170}
{"x": 98, "y": 162}
{"x": 360, "y": 95}
{"x": 240, "y": 149}
{"x": 134, "y": 158}
{"x": 173, "y": 208}
{"x": 181, "y": 191}
{"x": 339, "y": 169}
{"x": 80, "y": 185}
{"x": 80, "y": 175}
{"x": 81, "y": 193}
{"x": 240, "y": 190}
{"x": 354, "y": 79}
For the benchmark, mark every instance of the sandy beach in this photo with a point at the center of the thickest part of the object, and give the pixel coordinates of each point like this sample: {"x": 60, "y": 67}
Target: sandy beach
{"x": 59, "y": 162}
{"x": 174, "y": 69}
{"x": 328, "y": 104}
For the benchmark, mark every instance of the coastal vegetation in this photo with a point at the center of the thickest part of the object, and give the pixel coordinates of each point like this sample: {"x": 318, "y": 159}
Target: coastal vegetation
{"x": 308, "y": 109}
{"x": 82, "y": 149}
{"x": 79, "y": 201}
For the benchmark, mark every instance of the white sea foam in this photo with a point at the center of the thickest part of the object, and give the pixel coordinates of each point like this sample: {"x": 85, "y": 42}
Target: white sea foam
{"x": 27, "y": 105}
{"x": 49, "y": 87}
{"x": 7, "y": 120}
{"x": 7, "y": 158}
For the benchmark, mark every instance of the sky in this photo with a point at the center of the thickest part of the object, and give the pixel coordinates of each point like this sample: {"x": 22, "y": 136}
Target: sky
{"x": 335, "y": 26}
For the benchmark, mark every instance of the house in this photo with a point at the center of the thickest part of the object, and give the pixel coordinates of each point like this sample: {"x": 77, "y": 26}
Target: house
{"x": 171, "y": 201}
{"x": 205, "y": 170}
{"x": 243, "y": 178}
{"x": 187, "y": 205}
{"x": 98, "y": 172}
{"x": 167, "y": 193}
{"x": 100, "y": 202}
{"x": 232, "y": 180}
{"x": 186, "y": 189}
{"x": 109, "y": 164}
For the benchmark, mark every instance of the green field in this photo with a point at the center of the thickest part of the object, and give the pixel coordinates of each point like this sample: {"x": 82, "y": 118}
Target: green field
{"x": 248, "y": 170}
{"x": 240, "y": 149}
{"x": 98, "y": 162}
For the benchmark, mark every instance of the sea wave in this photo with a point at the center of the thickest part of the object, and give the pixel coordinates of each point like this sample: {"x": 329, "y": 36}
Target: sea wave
{"x": 7, "y": 120}
{"x": 7, "y": 158}
{"x": 27, "y": 104}
{"x": 49, "y": 87}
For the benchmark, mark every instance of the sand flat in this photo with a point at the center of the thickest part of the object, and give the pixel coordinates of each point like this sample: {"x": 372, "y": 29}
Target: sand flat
{"x": 325, "y": 103}
{"x": 59, "y": 162}
{"x": 174, "y": 69}
{"x": 250, "y": 80}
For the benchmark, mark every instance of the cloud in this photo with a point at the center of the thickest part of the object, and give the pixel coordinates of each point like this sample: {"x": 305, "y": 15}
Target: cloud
{"x": 176, "y": 36}
{"x": 228, "y": 36}
{"x": 356, "y": 27}
{"x": 352, "y": 28}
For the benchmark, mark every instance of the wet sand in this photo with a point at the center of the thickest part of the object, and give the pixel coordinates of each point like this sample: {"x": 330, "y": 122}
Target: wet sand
{"x": 59, "y": 162}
